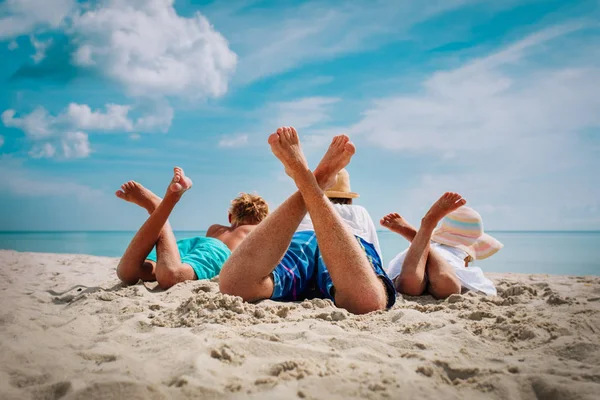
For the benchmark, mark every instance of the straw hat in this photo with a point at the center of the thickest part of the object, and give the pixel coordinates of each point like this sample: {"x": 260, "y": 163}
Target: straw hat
{"x": 341, "y": 189}
{"x": 463, "y": 229}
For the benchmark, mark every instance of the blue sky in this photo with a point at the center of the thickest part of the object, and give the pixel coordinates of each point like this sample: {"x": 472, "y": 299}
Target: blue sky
{"x": 496, "y": 100}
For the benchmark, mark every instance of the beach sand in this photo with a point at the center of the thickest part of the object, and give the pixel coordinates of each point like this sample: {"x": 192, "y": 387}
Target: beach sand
{"x": 69, "y": 330}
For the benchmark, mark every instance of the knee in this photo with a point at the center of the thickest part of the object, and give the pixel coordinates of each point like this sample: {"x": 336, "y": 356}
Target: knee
{"x": 168, "y": 278}
{"x": 409, "y": 285}
{"x": 226, "y": 286}
{"x": 368, "y": 301}
{"x": 445, "y": 286}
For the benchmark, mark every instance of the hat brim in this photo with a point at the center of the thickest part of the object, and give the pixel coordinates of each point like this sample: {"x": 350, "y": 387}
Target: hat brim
{"x": 341, "y": 195}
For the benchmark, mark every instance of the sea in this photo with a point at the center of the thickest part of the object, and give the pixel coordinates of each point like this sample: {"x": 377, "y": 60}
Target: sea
{"x": 532, "y": 252}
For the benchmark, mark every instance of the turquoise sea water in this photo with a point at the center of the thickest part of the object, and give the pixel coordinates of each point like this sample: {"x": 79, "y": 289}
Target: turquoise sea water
{"x": 565, "y": 253}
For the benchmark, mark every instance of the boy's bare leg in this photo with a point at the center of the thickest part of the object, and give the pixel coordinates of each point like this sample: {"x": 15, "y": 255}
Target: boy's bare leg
{"x": 155, "y": 231}
{"x": 411, "y": 280}
{"x": 442, "y": 279}
{"x": 357, "y": 287}
{"x": 247, "y": 272}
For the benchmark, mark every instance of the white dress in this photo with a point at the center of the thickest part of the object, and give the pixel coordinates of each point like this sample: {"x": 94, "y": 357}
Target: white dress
{"x": 470, "y": 277}
{"x": 357, "y": 218}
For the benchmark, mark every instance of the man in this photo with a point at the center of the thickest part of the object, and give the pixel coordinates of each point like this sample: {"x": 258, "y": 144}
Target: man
{"x": 176, "y": 261}
{"x": 440, "y": 268}
{"x": 356, "y": 217}
{"x": 277, "y": 262}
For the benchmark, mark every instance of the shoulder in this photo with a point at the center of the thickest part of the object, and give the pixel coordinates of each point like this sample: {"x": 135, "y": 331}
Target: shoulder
{"x": 214, "y": 229}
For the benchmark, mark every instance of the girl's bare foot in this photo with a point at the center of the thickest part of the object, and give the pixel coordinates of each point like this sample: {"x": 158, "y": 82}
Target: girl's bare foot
{"x": 135, "y": 193}
{"x": 395, "y": 223}
{"x": 444, "y": 206}
{"x": 336, "y": 158}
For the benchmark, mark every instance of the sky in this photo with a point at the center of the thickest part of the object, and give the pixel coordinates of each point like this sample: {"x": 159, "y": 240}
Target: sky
{"x": 499, "y": 101}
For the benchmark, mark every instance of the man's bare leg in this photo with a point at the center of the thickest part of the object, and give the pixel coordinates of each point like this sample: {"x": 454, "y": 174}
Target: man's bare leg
{"x": 155, "y": 231}
{"x": 442, "y": 279}
{"x": 411, "y": 280}
{"x": 357, "y": 287}
{"x": 247, "y": 272}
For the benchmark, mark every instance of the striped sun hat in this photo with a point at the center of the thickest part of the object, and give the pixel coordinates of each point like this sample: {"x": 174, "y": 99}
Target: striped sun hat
{"x": 463, "y": 229}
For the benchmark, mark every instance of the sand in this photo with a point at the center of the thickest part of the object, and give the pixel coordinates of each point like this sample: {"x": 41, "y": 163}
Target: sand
{"x": 70, "y": 330}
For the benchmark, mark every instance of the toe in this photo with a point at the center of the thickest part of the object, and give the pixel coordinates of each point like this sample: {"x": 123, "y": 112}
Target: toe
{"x": 119, "y": 193}
{"x": 349, "y": 147}
{"x": 273, "y": 138}
{"x": 461, "y": 202}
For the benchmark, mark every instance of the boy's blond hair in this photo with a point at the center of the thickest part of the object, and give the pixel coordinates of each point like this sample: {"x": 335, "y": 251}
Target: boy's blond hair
{"x": 248, "y": 209}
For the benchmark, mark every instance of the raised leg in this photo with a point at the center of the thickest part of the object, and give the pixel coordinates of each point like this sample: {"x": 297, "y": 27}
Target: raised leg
{"x": 420, "y": 260}
{"x": 357, "y": 287}
{"x": 441, "y": 276}
{"x": 155, "y": 231}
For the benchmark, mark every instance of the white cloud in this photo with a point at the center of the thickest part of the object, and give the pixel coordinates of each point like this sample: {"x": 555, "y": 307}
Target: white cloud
{"x": 135, "y": 136}
{"x": 506, "y": 129}
{"x": 62, "y": 136}
{"x": 1, "y": 140}
{"x": 159, "y": 118}
{"x": 13, "y": 45}
{"x": 149, "y": 48}
{"x": 234, "y": 141}
{"x": 482, "y": 104}
{"x": 40, "y": 49}
{"x": 43, "y": 150}
{"x": 75, "y": 145}
{"x": 40, "y": 124}
{"x": 36, "y": 125}
{"x": 67, "y": 146}
{"x": 21, "y": 17}
{"x": 81, "y": 116}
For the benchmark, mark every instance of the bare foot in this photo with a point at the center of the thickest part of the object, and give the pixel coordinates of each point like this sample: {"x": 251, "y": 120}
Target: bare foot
{"x": 444, "y": 206}
{"x": 335, "y": 159}
{"x": 285, "y": 144}
{"x": 395, "y": 223}
{"x": 135, "y": 193}
{"x": 180, "y": 182}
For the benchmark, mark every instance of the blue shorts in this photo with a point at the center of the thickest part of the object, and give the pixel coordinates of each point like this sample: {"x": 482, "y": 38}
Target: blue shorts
{"x": 205, "y": 255}
{"x": 301, "y": 274}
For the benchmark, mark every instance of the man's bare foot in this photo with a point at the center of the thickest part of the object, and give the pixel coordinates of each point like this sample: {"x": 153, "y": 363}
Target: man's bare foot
{"x": 135, "y": 193}
{"x": 395, "y": 223}
{"x": 180, "y": 182}
{"x": 444, "y": 206}
{"x": 335, "y": 159}
{"x": 285, "y": 144}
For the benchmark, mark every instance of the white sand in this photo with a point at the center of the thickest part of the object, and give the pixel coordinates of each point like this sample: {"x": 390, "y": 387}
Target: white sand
{"x": 69, "y": 330}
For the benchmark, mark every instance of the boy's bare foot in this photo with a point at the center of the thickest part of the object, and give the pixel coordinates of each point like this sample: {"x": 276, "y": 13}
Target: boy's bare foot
{"x": 285, "y": 144}
{"x": 395, "y": 223}
{"x": 135, "y": 193}
{"x": 444, "y": 206}
{"x": 336, "y": 158}
{"x": 180, "y": 182}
